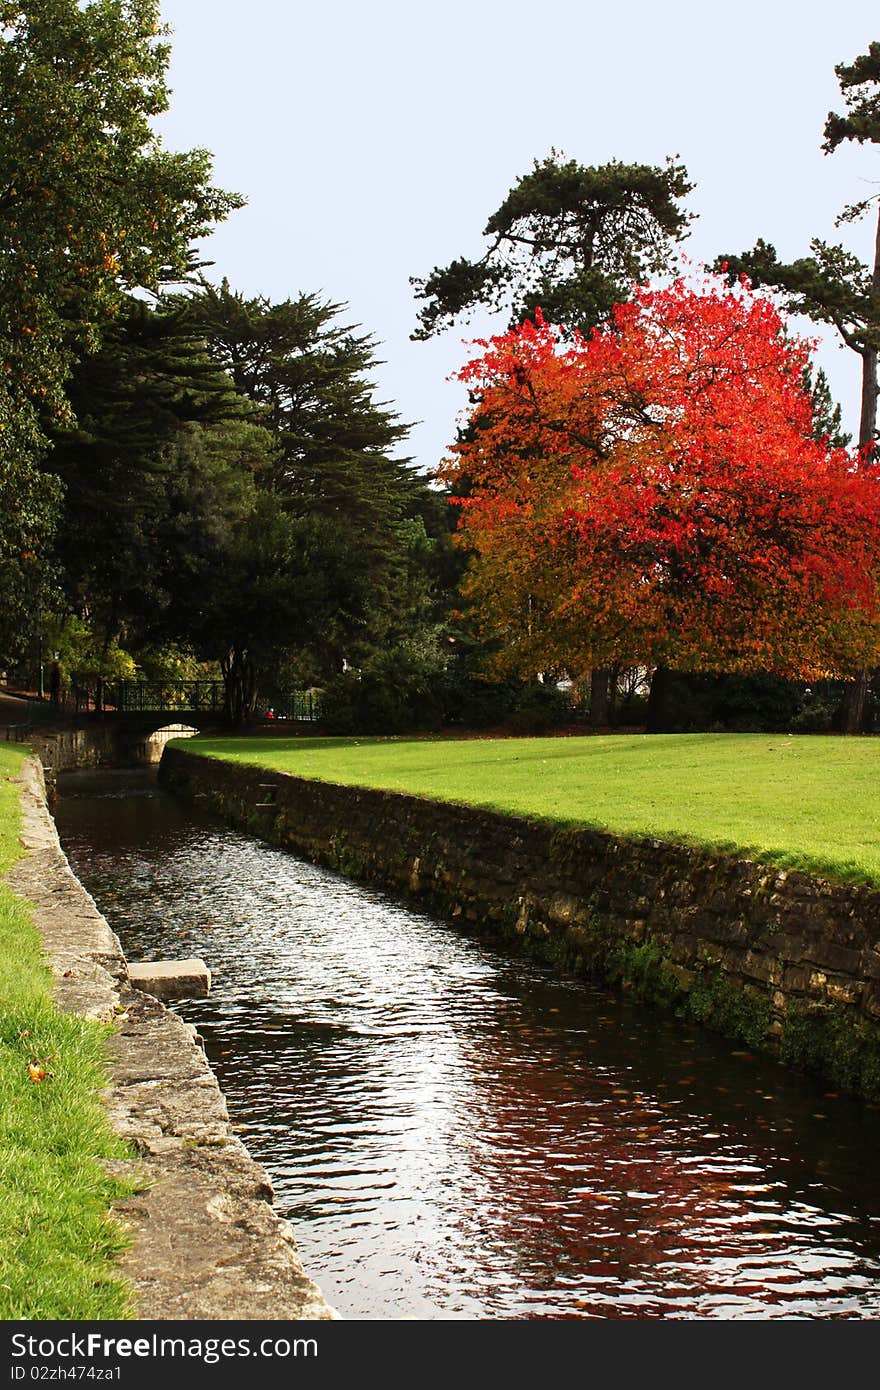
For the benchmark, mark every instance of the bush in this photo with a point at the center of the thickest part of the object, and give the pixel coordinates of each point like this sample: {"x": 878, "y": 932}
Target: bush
{"x": 539, "y": 708}
{"x": 747, "y": 704}
{"x": 395, "y": 692}
{"x": 632, "y": 711}
{"x": 816, "y": 716}
{"x": 472, "y": 702}
{"x": 404, "y": 691}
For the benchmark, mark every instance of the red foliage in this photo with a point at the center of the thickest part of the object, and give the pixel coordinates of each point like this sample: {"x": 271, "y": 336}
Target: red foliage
{"x": 654, "y": 494}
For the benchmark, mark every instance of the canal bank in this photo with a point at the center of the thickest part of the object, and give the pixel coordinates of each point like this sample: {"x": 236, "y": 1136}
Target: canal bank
{"x": 787, "y": 962}
{"x": 206, "y": 1242}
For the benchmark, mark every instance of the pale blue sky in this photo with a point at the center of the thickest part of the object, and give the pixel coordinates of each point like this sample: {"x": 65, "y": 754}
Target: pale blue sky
{"x": 373, "y": 140}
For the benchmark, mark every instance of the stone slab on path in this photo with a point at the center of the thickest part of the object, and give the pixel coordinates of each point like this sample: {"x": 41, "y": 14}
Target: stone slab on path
{"x": 206, "y": 1241}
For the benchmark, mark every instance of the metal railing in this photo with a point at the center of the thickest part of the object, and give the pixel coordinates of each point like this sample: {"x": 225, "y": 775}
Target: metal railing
{"x": 165, "y": 697}
{"x": 304, "y": 705}
{"x": 17, "y": 733}
{"x": 156, "y": 697}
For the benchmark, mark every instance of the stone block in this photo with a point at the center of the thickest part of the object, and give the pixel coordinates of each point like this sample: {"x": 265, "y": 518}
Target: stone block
{"x": 683, "y": 950}
{"x": 788, "y": 946}
{"x": 683, "y": 977}
{"x": 564, "y": 908}
{"x": 171, "y": 979}
{"x": 826, "y": 955}
{"x": 843, "y": 991}
{"x": 796, "y": 979}
{"x": 762, "y": 968}
{"x": 722, "y": 931}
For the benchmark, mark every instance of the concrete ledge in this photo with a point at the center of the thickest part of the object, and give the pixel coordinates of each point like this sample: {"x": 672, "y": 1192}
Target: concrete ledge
{"x": 171, "y": 979}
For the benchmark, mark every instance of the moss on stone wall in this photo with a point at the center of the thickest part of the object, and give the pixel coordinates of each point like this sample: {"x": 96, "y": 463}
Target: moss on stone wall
{"x": 735, "y": 1010}
{"x": 828, "y": 1040}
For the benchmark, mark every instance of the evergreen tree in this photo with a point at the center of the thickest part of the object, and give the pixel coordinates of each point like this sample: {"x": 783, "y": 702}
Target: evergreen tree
{"x": 834, "y": 286}
{"x": 162, "y": 456}
{"x": 568, "y": 238}
{"x": 827, "y": 414}
{"x": 334, "y": 474}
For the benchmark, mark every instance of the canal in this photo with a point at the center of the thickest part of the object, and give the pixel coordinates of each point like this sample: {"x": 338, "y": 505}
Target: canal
{"x": 457, "y": 1134}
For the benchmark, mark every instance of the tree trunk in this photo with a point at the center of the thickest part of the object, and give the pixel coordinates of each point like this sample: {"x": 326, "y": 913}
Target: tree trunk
{"x": 855, "y": 695}
{"x": 599, "y": 682}
{"x": 868, "y": 418}
{"x": 855, "y": 700}
{"x": 657, "y": 718}
{"x": 232, "y": 670}
{"x": 613, "y": 677}
{"x": 249, "y": 692}
{"x": 239, "y": 687}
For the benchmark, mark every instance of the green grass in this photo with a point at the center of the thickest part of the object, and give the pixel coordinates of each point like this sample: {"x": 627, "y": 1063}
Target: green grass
{"x": 57, "y": 1242}
{"x": 809, "y": 803}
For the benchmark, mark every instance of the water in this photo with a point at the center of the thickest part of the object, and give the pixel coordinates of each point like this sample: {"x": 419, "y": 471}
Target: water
{"x": 456, "y": 1133}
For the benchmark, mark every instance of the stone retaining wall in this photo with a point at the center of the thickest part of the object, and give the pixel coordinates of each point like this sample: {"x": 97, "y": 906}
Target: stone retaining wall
{"x": 94, "y": 745}
{"x": 65, "y": 750}
{"x": 787, "y": 962}
{"x": 206, "y": 1243}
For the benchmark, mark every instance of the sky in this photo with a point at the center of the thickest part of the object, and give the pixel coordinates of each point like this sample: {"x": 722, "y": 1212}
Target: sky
{"x": 374, "y": 139}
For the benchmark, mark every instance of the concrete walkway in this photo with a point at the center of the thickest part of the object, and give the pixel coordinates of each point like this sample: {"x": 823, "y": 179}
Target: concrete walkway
{"x": 207, "y": 1243}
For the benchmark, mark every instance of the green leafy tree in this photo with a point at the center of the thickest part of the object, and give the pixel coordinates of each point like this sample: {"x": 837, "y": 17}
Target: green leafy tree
{"x": 279, "y": 583}
{"x": 91, "y": 205}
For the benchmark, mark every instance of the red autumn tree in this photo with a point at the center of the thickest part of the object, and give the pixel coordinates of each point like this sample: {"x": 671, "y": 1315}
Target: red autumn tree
{"x": 652, "y": 495}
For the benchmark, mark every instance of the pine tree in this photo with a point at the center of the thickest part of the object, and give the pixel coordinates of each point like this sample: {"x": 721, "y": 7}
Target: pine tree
{"x": 834, "y": 286}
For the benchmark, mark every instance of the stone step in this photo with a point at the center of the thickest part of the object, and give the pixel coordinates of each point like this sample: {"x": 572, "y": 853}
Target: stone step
{"x": 171, "y": 979}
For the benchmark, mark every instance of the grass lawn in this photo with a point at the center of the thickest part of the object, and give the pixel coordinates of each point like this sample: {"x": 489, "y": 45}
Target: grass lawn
{"x": 56, "y": 1240}
{"x": 800, "y": 802}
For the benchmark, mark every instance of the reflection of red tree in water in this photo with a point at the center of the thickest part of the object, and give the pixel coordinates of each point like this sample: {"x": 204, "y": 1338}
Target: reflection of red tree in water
{"x": 635, "y": 1205}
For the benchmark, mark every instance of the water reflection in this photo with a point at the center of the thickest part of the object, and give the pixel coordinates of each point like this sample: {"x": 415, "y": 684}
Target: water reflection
{"x": 457, "y": 1134}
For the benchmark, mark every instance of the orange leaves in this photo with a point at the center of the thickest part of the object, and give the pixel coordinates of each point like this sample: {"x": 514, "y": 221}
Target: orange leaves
{"x": 38, "y": 1070}
{"x": 37, "y": 1067}
{"x": 655, "y": 493}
